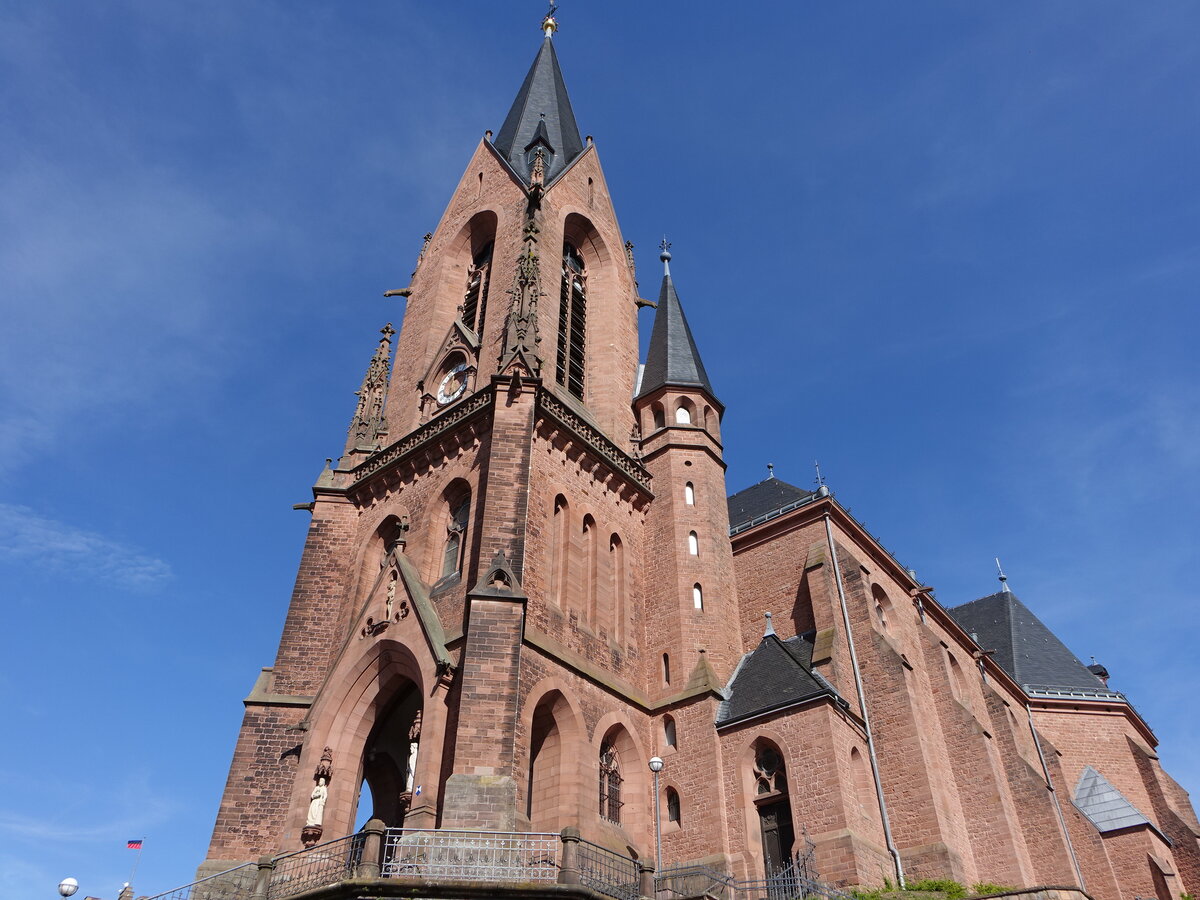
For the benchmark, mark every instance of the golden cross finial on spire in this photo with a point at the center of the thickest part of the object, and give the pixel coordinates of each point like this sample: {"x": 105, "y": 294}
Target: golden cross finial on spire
{"x": 549, "y": 23}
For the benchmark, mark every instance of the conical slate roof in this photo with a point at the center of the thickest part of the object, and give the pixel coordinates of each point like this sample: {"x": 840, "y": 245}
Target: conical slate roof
{"x": 1025, "y": 648}
{"x": 672, "y": 358}
{"x": 542, "y": 111}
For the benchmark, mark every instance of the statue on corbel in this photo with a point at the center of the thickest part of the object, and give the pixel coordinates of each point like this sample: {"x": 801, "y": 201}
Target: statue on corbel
{"x": 393, "y": 610}
{"x": 410, "y": 769}
{"x": 313, "y": 827}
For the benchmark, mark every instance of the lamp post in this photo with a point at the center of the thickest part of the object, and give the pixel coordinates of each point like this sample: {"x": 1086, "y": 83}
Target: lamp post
{"x": 656, "y": 766}
{"x": 67, "y": 887}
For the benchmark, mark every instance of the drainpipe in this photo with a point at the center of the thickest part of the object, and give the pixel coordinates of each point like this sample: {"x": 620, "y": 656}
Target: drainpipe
{"x": 862, "y": 705}
{"x": 1062, "y": 822}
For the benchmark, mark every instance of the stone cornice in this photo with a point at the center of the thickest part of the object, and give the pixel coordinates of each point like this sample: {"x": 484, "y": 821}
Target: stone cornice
{"x": 595, "y": 440}
{"x": 417, "y": 440}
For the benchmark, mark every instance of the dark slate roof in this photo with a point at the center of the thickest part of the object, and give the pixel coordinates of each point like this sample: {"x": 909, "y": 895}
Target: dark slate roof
{"x": 1106, "y": 807}
{"x": 773, "y": 675}
{"x": 542, "y": 109}
{"x": 764, "y": 497}
{"x": 1025, "y": 648}
{"x": 672, "y": 358}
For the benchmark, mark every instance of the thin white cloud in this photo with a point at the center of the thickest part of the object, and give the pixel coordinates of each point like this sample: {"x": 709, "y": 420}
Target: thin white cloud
{"x": 45, "y": 544}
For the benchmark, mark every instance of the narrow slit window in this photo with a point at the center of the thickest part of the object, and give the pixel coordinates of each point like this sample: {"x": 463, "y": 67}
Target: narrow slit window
{"x": 697, "y": 596}
{"x": 689, "y": 494}
{"x": 693, "y": 544}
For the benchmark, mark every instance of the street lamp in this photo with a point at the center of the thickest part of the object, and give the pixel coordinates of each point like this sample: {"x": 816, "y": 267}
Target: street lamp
{"x": 656, "y": 766}
{"x": 67, "y": 887}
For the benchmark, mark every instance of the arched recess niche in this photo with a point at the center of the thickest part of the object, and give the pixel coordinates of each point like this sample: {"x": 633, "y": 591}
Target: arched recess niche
{"x": 388, "y": 534}
{"x": 552, "y": 788}
{"x": 351, "y": 717}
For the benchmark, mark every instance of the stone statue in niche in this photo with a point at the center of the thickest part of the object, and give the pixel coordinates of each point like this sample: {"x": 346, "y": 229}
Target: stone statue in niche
{"x": 414, "y": 744}
{"x": 391, "y": 598}
{"x": 311, "y": 833}
{"x": 316, "y": 806}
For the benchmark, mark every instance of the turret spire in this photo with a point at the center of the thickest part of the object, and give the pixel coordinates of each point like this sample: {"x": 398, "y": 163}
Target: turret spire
{"x": 541, "y": 116}
{"x": 368, "y": 427}
{"x": 672, "y": 358}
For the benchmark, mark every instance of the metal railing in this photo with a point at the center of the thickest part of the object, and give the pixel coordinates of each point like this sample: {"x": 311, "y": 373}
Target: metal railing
{"x": 607, "y": 872}
{"x": 315, "y": 867}
{"x": 491, "y": 856}
{"x": 786, "y": 884}
{"x": 693, "y": 881}
{"x": 232, "y": 884}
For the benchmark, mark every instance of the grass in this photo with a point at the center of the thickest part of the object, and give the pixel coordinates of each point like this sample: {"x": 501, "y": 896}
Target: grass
{"x": 931, "y": 889}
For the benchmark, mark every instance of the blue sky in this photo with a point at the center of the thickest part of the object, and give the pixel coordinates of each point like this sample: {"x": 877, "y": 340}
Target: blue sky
{"x": 951, "y": 250}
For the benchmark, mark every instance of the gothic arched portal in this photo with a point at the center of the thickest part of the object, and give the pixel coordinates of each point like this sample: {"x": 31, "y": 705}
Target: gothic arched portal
{"x": 390, "y": 758}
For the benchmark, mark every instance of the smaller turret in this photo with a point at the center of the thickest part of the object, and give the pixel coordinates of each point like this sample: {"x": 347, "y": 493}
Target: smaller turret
{"x": 693, "y": 595}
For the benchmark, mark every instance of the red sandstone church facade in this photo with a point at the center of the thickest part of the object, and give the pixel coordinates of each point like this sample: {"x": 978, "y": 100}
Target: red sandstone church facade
{"x": 523, "y": 579}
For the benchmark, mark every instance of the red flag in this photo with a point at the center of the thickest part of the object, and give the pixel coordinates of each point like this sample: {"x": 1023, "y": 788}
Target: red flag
{"x": 135, "y": 845}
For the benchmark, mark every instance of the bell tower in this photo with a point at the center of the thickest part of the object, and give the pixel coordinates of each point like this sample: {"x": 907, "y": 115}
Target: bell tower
{"x": 472, "y": 578}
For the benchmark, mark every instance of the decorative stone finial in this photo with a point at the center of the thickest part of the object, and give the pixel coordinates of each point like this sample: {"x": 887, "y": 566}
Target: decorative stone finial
{"x": 770, "y": 626}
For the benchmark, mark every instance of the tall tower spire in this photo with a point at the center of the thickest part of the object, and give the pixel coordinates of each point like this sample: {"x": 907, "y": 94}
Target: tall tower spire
{"x": 541, "y": 116}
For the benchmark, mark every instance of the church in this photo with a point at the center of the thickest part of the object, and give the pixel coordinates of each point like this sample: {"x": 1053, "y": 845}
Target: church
{"x": 527, "y": 604}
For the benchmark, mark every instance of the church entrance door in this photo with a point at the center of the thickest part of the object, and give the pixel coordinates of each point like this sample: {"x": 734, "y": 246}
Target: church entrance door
{"x": 775, "y": 820}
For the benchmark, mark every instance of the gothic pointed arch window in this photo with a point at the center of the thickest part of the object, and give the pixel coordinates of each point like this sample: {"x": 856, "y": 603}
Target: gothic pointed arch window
{"x": 572, "y": 321}
{"x": 459, "y": 517}
{"x": 479, "y": 273}
{"x": 610, "y": 783}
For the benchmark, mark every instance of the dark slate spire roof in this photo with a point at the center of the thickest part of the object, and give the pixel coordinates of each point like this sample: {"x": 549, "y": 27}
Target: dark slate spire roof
{"x": 762, "y": 498}
{"x": 672, "y": 358}
{"x": 773, "y": 675}
{"x": 1026, "y": 649}
{"x": 542, "y": 109}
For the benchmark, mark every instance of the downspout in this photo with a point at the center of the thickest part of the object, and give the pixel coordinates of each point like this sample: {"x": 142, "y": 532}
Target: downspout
{"x": 1062, "y": 822}
{"x": 862, "y": 705}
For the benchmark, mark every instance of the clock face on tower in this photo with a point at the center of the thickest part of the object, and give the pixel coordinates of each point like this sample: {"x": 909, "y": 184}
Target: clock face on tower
{"x": 452, "y": 385}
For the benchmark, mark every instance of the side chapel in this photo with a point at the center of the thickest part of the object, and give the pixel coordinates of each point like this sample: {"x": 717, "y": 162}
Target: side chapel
{"x": 523, "y": 579}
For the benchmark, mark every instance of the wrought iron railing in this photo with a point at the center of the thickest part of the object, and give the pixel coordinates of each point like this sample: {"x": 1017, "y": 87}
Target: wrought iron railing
{"x": 492, "y": 857}
{"x": 693, "y": 881}
{"x": 470, "y": 855}
{"x": 232, "y": 884}
{"x": 315, "y": 867}
{"x": 788, "y": 883}
{"x": 607, "y": 872}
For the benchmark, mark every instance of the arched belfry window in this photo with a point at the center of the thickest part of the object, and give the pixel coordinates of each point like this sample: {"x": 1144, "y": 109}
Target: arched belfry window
{"x": 456, "y": 534}
{"x": 474, "y": 305}
{"x": 610, "y": 783}
{"x": 572, "y": 321}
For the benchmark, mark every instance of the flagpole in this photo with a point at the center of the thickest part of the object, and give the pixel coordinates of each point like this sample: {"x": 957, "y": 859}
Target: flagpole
{"x": 137, "y": 859}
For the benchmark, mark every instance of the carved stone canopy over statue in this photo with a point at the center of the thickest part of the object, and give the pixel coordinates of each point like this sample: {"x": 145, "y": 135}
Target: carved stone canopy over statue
{"x": 325, "y": 766}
